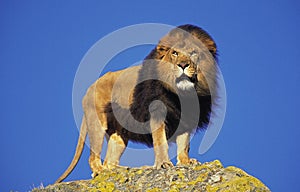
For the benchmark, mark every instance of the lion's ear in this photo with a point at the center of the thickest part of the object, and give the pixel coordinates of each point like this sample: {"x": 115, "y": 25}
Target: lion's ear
{"x": 211, "y": 46}
{"x": 158, "y": 52}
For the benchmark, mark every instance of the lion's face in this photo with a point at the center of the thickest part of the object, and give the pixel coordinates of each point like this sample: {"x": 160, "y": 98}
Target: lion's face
{"x": 182, "y": 61}
{"x": 183, "y": 67}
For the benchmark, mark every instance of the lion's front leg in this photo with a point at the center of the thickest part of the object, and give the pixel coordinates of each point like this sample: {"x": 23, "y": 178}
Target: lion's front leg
{"x": 160, "y": 145}
{"x": 183, "y": 147}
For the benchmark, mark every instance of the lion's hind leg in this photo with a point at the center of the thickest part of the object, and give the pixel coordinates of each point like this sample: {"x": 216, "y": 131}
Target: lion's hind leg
{"x": 115, "y": 148}
{"x": 96, "y": 132}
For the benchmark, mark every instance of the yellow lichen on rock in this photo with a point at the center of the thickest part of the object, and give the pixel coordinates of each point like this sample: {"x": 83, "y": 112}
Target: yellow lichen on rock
{"x": 239, "y": 181}
{"x": 154, "y": 190}
{"x": 216, "y": 163}
{"x": 201, "y": 178}
{"x": 211, "y": 177}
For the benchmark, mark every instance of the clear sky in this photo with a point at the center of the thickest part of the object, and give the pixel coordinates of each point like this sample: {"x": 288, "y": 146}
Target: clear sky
{"x": 43, "y": 42}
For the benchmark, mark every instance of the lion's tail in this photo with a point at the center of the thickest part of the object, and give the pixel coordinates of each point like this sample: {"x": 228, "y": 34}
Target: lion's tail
{"x": 78, "y": 152}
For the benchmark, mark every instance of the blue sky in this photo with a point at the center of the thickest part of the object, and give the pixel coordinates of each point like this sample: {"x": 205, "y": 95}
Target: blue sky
{"x": 43, "y": 42}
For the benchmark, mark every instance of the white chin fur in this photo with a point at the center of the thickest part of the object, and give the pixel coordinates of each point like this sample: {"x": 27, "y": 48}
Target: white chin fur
{"x": 184, "y": 85}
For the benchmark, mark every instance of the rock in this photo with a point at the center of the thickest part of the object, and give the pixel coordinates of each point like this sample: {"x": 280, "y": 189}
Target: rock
{"x": 210, "y": 176}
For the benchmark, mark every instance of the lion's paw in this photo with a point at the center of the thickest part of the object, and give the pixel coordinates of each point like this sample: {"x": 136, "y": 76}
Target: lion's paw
{"x": 164, "y": 165}
{"x": 97, "y": 171}
{"x": 191, "y": 161}
{"x": 96, "y": 168}
{"x": 194, "y": 161}
{"x": 113, "y": 166}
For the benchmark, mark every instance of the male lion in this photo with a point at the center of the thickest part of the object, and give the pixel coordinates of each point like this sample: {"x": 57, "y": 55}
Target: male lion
{"x": 163, "y": 100}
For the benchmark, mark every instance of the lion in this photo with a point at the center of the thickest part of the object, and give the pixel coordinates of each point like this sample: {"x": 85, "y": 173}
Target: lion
{"x": 163, "y": 100}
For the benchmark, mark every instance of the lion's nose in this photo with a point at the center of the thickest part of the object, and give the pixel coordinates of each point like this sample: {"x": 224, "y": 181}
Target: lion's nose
{"x": 183, "y": 65}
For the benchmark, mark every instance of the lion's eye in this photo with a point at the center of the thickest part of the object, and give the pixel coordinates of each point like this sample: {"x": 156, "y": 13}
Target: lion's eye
{"x": 174, "y": 53}
{"x": 193, "y": 54}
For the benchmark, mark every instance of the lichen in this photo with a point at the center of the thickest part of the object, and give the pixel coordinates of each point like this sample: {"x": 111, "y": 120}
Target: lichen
{"x": 211, "y": 177}
{"x": 154, "y": 190}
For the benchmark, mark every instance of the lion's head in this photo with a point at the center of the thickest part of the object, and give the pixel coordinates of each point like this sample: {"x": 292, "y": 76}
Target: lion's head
{"x": 187, "y": 57}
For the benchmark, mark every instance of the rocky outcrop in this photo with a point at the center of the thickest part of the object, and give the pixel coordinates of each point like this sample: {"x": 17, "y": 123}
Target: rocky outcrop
{"x": 211, "y": 176}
